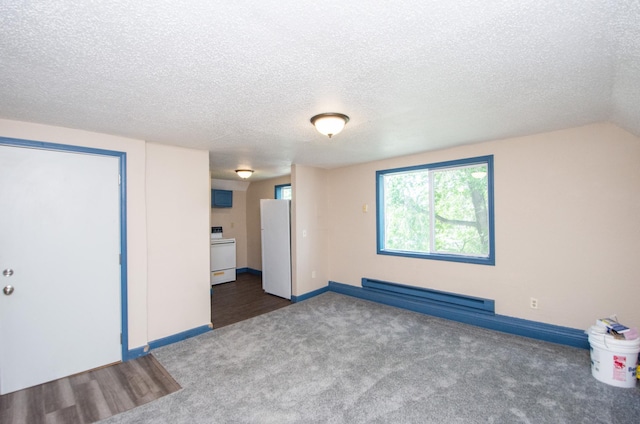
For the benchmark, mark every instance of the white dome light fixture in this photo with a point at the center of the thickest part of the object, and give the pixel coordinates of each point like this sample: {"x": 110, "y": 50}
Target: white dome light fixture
{"x": 244, "y": 173}
{"x": 330, "y": 124}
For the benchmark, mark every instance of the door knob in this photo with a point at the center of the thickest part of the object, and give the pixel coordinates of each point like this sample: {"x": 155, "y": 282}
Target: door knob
{"x": 8, "y": 290}
{"x": 7, "y": 272}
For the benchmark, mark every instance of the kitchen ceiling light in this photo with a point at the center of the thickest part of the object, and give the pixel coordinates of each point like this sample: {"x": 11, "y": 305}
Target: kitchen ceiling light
{"x": 329, "y": 124}
{"x": 244, "y": 173}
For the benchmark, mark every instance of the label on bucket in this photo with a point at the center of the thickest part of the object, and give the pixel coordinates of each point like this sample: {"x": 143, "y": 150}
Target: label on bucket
{"x": 619, "y": 367}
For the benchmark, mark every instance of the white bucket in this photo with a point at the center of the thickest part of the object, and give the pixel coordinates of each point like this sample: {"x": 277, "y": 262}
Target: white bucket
{"x": 613, "y": 361}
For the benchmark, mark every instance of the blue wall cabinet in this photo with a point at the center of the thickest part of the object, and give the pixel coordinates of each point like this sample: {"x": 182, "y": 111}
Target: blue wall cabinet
{"x": 221, "y": 198}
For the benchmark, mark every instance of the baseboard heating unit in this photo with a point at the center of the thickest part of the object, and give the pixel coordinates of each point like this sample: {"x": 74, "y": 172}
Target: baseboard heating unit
{"x": 458, "y": 307}
{"x": 433, "y": 297}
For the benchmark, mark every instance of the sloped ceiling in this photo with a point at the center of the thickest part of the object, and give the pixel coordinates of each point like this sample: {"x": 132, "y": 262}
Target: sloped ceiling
{"x": 241, "y": 79}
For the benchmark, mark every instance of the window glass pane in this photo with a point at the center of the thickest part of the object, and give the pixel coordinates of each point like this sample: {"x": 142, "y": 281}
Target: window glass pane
{"x": 406, "y": 208}
{"x": 460, "y": 205}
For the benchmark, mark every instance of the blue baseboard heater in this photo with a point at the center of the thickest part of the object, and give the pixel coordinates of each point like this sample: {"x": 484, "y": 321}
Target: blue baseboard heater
{"x": 458, "y": 307}
{"x": 434, "y": 297}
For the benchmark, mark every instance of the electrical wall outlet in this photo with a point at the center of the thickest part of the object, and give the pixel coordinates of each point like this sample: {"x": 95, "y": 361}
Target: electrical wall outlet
{"x": 533, "y": 302}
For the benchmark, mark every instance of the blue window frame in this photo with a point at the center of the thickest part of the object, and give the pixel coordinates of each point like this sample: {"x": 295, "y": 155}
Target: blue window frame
{"x": 283, "y": 191}
{"x": 441, "y": 211}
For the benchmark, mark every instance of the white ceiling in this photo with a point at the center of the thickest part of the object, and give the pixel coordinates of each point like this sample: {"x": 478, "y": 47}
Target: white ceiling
{"x": 242, "y": 78}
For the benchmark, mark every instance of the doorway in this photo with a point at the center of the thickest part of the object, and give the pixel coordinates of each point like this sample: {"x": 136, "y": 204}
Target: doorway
{"x": 242, "y": 299}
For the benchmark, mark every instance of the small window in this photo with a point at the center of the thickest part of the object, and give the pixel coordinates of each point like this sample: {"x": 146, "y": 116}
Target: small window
{"x": 438, "y": 211}
{"x": 283, "y": 191}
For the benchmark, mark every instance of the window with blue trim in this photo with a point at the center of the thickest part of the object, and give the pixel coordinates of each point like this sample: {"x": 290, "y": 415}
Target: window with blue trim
{"x": 440, "y": 211}
{"x": 283, "y": 191}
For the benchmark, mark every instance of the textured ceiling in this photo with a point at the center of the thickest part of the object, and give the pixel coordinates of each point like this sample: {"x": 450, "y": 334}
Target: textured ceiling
{"x": 241, "y": 79}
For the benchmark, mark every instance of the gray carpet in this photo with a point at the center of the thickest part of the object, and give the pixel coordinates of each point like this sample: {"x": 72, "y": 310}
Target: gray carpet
{"x": 337, "y": 359}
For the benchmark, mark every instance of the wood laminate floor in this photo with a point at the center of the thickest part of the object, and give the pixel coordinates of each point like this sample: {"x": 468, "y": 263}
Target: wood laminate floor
{"x": 242, "y": 299}
{"x": 89, "y": 396}
{"x": 98, "y": 394}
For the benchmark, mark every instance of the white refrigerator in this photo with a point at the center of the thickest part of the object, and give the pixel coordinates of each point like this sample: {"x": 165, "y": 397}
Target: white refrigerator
{"x": 275, "y": 224}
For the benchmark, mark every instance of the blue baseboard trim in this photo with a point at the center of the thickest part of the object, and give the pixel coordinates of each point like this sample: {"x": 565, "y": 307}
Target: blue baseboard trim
{"x": 254, "y": 271}
{"x": 136, "y": 353}
{"x": 241, "y": 270}
{"x": 145, "y": 350}
{"x": 179, "y": 337}
{"x": 309, "y": 295}
{"x": 521, "y": 327}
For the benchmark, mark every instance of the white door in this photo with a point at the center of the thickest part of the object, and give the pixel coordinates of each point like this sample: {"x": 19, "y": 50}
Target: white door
{"x": 59, "y": 253}
{"x": 276, "y": 247}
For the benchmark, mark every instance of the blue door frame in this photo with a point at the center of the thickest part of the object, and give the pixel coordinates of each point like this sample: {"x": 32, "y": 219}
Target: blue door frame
{"x": 122, "y": 159}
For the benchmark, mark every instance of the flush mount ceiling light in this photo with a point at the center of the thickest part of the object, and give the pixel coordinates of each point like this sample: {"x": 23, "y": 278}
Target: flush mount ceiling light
{"x": 329, "y": 124}
{"x": 244, "y": 173}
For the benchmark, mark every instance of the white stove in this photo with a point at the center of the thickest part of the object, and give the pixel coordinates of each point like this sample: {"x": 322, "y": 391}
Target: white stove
{"x": 223, "y": 257}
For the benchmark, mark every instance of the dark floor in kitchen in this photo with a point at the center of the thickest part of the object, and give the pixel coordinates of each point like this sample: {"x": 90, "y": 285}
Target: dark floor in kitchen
{"x": 242, "y": 299}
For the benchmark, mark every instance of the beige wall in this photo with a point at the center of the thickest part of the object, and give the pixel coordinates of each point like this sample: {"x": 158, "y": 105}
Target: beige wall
{"x": 258, "y": 190}
{"x": 178, "y": 204}
{"x": 234, "y": 224}
{"x": 309, "y": 235}
{"x": 567, "y": 227}
{"x": 136, "y": 206}
{"x": 566, "y": 207}
{"x": 143, "y": 326}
